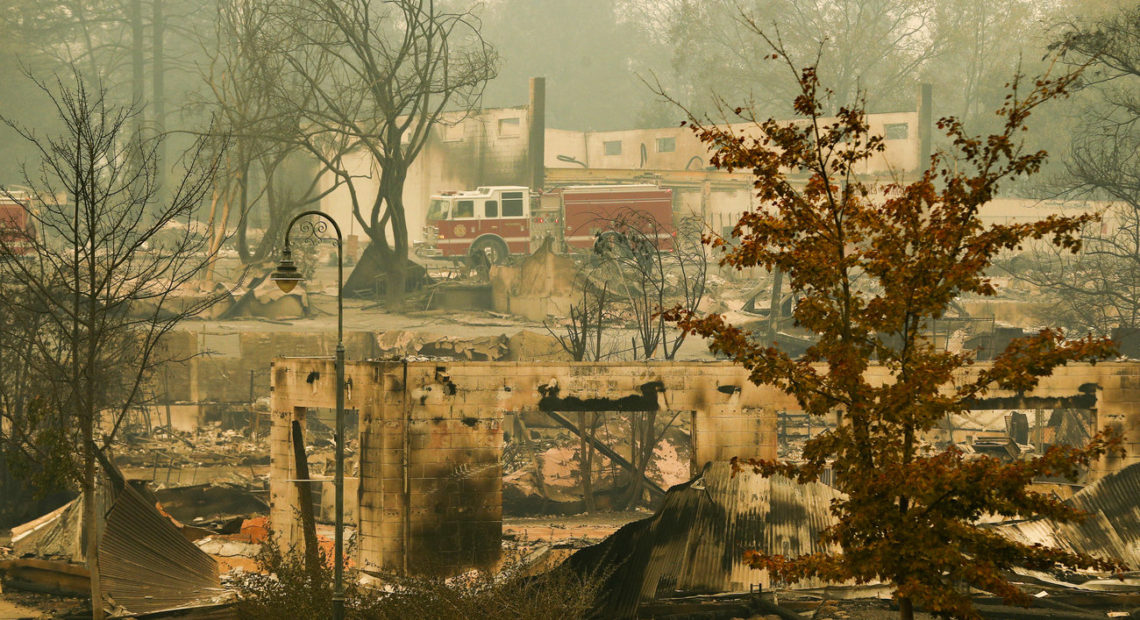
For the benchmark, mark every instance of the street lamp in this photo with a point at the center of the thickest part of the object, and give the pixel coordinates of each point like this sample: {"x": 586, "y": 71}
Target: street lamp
{"x": 286, "y": 276}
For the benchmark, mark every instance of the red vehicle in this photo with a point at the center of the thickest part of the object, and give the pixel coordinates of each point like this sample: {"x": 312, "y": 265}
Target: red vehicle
{"x": 506, "y": 220}
{"x": 16, "y": 227}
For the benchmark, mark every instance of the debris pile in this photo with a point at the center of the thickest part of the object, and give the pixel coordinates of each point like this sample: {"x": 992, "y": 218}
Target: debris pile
{"x": 147, "y": 563}
{"x": 540, "y": 286}
{"x": 687, "y": 558}
{"x": 172, "y": 458}
{"x": 408, "y": 344}
{"x": 522, "y": 346}
{"x": 265, "y": 300}
{"x": 695, "y": 542}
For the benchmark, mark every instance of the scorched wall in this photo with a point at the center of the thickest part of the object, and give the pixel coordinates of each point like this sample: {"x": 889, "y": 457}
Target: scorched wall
{"x": 429, "y": 498}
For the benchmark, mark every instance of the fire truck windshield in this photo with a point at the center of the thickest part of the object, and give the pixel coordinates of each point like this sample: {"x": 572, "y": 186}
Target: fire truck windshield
{"x": 438, "y": 210}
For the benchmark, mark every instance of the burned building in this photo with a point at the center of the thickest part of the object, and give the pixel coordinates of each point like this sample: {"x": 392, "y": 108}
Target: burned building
{"x": 427, "y": 493}
{"x": 429, "y": 497}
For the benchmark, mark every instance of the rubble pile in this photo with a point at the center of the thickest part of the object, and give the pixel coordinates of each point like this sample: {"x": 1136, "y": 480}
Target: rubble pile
{"x": 686, "y": 559}
{"x": 186, "y": 506}
{"x": 694, "y": 543}
{"x": 522, "y": 346}
{"x": 540, "y": 286}
{"x": 265, "y": 300}
{"x": 172, "y": 458}
{"x": 405, "y": 344}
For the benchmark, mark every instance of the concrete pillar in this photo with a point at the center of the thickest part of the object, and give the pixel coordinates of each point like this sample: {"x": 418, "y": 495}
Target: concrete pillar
{"x": 925, "y": 125}
{"x": 283, "y": 499}
{"x": 536, "y": 146}
{"x": 722, "y": 431}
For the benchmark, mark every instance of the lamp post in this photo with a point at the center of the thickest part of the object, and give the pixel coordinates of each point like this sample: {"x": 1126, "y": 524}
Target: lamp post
{"x": 286, "y": 276}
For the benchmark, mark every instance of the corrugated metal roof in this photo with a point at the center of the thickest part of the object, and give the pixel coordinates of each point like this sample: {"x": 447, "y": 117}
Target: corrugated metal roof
{"x": 146, "y": 564}
{"x": 695, "y": 543}
{"x": 1111, "y": 530}
{"x": 1115, "y": 500}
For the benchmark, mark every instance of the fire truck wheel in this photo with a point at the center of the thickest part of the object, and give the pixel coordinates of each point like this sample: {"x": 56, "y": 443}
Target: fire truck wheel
{"x": 494, "y": 249}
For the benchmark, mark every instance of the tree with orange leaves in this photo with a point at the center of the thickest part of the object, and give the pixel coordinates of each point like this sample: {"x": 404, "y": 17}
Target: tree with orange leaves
{"x": 872, "y": 268}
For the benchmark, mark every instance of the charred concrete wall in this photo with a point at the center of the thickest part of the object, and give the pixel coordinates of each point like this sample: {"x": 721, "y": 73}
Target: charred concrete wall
{"x": 431, "y": 436}
{"x": 1105, "y": 394}
{"x": 1109, "y": 392}
{"x": 298, "y": 385}
{"x": 430, "y": 491}
{"x": 215, "y": 368}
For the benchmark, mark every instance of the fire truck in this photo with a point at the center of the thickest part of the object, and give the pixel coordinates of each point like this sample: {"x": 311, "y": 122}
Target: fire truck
{"x": 16, "y": 226}
{"x": 501, "y": 221}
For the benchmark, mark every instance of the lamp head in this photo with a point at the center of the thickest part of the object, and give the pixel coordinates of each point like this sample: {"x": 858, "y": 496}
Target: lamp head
{"x": 286, "y": 276}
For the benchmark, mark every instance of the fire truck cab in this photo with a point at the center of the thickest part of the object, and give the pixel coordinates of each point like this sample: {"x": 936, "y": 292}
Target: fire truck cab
{"x": 491, "y": 220}
{"x": 16, "y": 225}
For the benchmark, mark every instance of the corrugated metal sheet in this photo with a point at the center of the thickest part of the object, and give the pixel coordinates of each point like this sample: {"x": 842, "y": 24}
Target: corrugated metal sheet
{"x": 146, "y": 563}
{"x": 696, "y": 541}
{"x": 1111, "y": 530}
{"x": 1115, "y": 530}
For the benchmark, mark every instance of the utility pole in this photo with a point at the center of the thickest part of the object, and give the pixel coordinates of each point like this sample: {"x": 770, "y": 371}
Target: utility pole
{"x": 925, "y": 125}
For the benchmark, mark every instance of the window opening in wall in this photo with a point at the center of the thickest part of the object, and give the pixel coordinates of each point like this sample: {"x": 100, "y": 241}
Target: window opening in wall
{"x": 464, "y": 208}
{"x": 612, "y": 147}
{"x": 513, "y": 204}
{"x": 491, "y": 208}
{"x": 509, "y": 127}
{"x": 656, "y": 443}
{"x": 320, "y": 428}
{"x": 666, "y": 145}
{"x": 896, "y": 131}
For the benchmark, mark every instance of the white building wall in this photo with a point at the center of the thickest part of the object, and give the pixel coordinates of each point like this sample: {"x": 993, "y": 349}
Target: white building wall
{"x": 486, "y": 148}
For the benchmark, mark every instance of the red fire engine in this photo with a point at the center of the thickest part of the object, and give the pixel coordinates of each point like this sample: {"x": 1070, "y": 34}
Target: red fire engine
{"x": 16, "y": 227}
{"x": 505, "y": 220}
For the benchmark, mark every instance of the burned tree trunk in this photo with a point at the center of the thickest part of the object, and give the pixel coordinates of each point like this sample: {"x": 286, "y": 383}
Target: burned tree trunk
{"x": 373, "y": 273}
{"x": 642, "y": 443}
{"x": 305, "y": 499}
{"x": 586, "y": 449}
